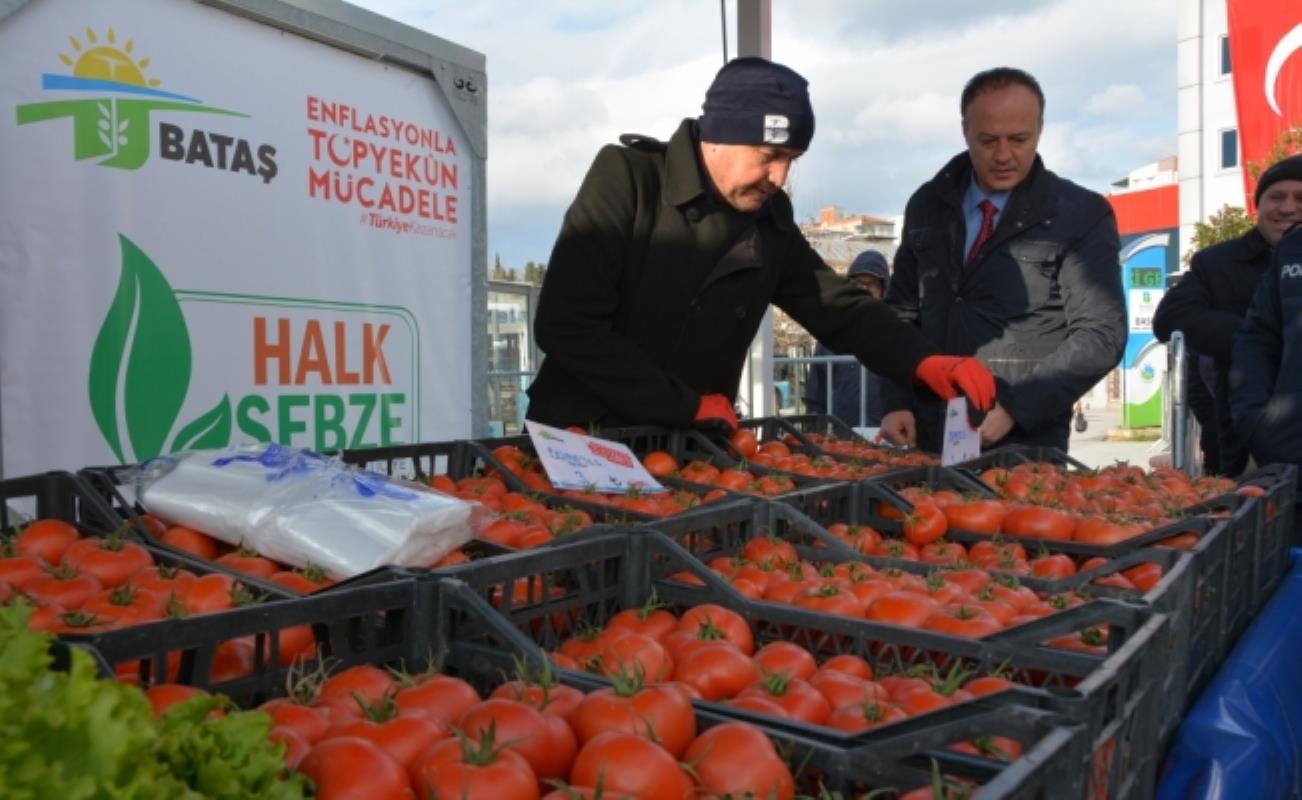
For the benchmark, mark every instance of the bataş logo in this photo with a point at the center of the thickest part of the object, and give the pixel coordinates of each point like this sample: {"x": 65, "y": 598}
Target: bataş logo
{"x": 114, "y": 126}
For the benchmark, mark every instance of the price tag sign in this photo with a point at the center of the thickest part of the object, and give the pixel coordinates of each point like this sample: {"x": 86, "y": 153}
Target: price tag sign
{"x": 962, "y": 441}
{"x": 576, "y": 461}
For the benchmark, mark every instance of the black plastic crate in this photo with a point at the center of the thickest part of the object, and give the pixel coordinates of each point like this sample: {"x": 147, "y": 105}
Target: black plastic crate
{"x": 807, "y": 432}
{"x": 380, "y": 624}
{"x": 1195, "y": 643}
{"x": 549, "y": 594}
{"x": 399, "y": 624}
{"x": 688, "y": 444}
{"x": 1014, "y": 454}
{"x": 482, "y": 643}
{"x": 417, "y": 462}
{"x": 64, "y": 496}
{"x": 1274, "y": 526}
{"x": 73, "y": 499}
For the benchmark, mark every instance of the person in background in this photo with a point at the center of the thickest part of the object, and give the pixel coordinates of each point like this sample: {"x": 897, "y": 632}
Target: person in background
{"x": 869, "y": 270}
{"x": 1004, "y": 260}
{"x": 1209, "y": 302}
{"x": 1266, "y": 364}
{"x": 672, "y": 252}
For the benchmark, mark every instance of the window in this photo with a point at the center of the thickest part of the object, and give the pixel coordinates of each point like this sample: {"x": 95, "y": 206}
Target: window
{"x": 1230, "y": 148}
{"x": 1225, "y": 55}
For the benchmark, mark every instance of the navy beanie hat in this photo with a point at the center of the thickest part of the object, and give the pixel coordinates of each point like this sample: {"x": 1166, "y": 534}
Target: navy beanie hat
{"x": 1290, "y": 169}
{"x": 756, "y": 101}
{"x": 870, "y": 262}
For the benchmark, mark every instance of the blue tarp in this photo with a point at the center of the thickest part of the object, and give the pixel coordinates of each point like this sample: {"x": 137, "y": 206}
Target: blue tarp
{"x": 1243, "y": 736}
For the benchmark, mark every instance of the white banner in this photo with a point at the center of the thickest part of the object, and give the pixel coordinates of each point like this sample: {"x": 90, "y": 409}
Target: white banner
{"x": 214, "y": 232}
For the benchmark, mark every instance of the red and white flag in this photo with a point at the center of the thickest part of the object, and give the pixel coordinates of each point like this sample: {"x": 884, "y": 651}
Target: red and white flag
{"x": 1266, "y": 59}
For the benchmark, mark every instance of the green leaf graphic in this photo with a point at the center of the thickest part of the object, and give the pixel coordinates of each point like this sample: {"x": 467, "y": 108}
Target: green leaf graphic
{"x": 140, "y": 364}
{"x": 211, "y": 429}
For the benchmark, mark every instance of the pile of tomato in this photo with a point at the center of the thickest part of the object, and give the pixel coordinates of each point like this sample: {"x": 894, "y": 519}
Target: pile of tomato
{"x": 365, "y": 732}
{"x": 89, "y": 585}
{"x": 709, "y": 652}
{"x": 1045, "y": 501}
{"x": 963, "y": 601}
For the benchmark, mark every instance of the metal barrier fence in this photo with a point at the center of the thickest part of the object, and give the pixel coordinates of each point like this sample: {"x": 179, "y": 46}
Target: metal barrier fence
{"x": 1179, "y": 427}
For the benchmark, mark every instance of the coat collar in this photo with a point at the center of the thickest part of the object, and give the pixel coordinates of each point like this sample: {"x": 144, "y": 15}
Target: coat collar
{"x": 685, "y": 182}
{"x": 1033, "y": 197}
{"x": 1253, "y": 248}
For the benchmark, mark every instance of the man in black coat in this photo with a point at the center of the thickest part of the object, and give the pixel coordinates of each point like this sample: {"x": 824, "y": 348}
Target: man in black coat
{"x": 1266, "y": 362}
{"x": 1209, "y": 302}
{"x": 672, "y": 252}
{"x": 1004, "y": 260}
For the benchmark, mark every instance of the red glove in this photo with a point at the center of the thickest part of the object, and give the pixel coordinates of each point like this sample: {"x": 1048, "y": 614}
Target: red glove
{"x": 715, "y": 408}
{"x": 947, "y": 376}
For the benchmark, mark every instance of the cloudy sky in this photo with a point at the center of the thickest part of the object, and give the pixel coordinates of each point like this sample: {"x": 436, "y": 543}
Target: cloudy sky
{"x": 566, "y": 76}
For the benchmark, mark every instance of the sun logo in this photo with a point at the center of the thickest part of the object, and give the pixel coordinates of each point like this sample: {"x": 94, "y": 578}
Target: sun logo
{"x": 114, "y": 127}
{"x": 105, "y": 62}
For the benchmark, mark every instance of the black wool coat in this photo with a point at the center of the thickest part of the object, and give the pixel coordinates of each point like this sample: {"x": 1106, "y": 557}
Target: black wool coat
{"x": 1041, "y": 305}
{"x": 656, "y": 288}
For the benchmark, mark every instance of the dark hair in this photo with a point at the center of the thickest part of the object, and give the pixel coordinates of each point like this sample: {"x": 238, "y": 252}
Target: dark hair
{"x": 999, "y": 78}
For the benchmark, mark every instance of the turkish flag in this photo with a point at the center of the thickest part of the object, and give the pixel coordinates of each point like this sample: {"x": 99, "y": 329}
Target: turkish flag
{"x": 1266, "y": 62}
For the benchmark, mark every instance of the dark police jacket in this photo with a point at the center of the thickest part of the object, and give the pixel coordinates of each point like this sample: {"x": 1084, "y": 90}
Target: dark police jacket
{"x": 1208, "y": 306}
{"x": 1041, "y": 305}
{"x": 656, "y": 288}
{"x": 1266, "y": 363}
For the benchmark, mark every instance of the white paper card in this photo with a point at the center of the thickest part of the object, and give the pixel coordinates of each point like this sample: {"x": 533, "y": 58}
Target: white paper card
{"x": 962, "y": 441}
{"x": 576, "y": 461}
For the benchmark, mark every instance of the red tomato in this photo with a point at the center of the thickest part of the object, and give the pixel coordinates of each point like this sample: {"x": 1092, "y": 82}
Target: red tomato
{"x": 546, "y": 742}
{"x": 925, "y": 524}
{"x": 635, "y": 654}
{"x": 737, "y": 760}
{"x": 213, "y": 592}
{"x": 659, "y": 713}
{"x": 403, "y": 737}
{"x": 798, "y": 698}
{"x": 1036, "y": 522}
{"x": 979, "y": 516}
{"x": 191, "y": 541}
{"x": 475, "y": 770}
{"x": 549, "y": 697}
{"x": 349, "y": 768}
{"x": 629, "y": 764}
{"x": 47, "y": 539}
{"x": 651, "y": 620}
{"x": 249, "y": 563}
{"x": 371, "y": 684}
{"x": 66, "y": 587}
{"x": 126, "y": 604}
{"x": 708, "y": 619}
{"x": 18, "y": 571}
{"x": 111, "y": 559}
{"x": 296, "y": 747}
{"x": 442, "y": 696}
{"x": 849, "y": 663}
{"x": 901, "y": 608}
{"x": 163, "y": 696}
{"x": 716, "y": 669}
{"x": 785, "y": 658}
{"x": 306, "y": 721}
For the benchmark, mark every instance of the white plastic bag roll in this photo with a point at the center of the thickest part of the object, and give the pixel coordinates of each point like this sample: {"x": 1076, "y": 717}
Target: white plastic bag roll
{"x": 299, "y": 508}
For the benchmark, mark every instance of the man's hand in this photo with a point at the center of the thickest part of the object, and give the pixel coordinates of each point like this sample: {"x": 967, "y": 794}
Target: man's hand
{"x": 900, "y": 428}
{"x": 716, "y": 411}
{"x": 947, "y": 376}
{"x": 996, "y": 426}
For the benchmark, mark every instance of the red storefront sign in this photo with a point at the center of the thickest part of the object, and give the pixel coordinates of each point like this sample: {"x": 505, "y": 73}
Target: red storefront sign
{"x": 1266, "y": 61}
